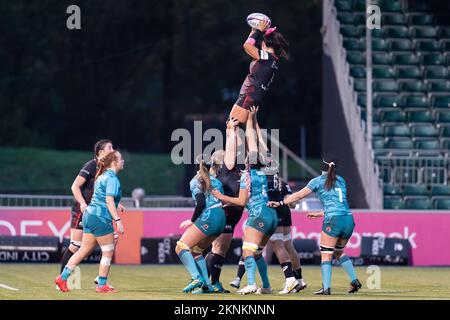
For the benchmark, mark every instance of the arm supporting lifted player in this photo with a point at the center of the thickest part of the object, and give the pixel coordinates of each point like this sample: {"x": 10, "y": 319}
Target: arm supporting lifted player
{"x": 293, "y": 198}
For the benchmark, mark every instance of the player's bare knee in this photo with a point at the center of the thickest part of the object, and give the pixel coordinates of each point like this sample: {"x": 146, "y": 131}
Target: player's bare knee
{"x": 181, "y": 246}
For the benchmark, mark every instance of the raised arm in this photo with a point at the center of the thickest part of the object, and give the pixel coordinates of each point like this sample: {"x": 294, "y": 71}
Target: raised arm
{"x": 262, "y": 143}
{"x": 250, "y": 132}
{"x": 254, "y": 36}
{"x": 231, "y": 144}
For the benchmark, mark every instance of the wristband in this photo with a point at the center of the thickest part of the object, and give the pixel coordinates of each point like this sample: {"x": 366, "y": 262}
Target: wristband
{"x": 281, "y": 203}
{"x": 117, "y": 220}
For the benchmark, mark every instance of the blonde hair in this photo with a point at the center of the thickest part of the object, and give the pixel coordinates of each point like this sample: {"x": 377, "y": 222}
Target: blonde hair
{"x": 217, "y": 159}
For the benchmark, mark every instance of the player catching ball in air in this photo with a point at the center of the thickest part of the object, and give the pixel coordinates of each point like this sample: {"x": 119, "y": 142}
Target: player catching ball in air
{"x": 337, "y": 226}
{"x": 262, "y": 69}
{"x": 206, "y": 224}
{"x": 98, "y": 222}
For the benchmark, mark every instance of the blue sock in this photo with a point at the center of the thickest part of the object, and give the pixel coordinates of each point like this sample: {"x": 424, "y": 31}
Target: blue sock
{"x": 262, "y": 268}
{"x": 188, "y": 260}
{"x": 102, "y": 281}
{"x": 347, "y": 264}
{"x": 201, "y": 265}
{"x": 250, "y": 268}
{"x": 326, "y": 274}
{"x": 66, "y": 273}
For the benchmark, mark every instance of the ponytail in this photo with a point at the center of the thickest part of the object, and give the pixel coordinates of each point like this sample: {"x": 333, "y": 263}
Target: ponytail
{"x": 331, "y": 176}
{"x": 203, "y": 176}
{"x": 105, "y": 163}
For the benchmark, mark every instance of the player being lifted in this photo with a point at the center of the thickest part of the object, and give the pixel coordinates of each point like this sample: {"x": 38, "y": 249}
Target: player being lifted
{"x": 262, "y": 221}
{"x": 206, "y": 224}
{"x": 262, "y": 69}
{"x": 337, "y": 226}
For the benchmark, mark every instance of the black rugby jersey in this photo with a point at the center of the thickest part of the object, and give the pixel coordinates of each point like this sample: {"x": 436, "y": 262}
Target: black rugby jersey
{"x": 277, "y": 189}
{"x": 230, "y": 179}
{"x": 87, "y": 189}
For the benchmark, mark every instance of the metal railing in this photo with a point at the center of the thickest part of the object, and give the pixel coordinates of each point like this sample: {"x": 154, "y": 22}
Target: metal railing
{"x": 22, "y": 201}
{"x": 362, "y": 149}
{"x": 410, "y": 170}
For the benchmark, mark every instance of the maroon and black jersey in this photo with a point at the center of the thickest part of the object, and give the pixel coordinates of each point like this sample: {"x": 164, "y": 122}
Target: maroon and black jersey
{"x": 87, "y": 189}
{"x": 258, "y": 81}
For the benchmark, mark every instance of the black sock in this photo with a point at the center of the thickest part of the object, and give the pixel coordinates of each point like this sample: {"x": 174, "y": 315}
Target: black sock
{"x": 298, "y": 273}
{"x": 65, "y": 258}
{"x": 241, "y": 268}
{"x": 215, "y": 263}
{"x": 287, "y": 269}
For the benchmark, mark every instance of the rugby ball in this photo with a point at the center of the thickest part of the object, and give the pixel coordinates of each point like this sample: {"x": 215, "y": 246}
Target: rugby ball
{"x": 254, "y": 19}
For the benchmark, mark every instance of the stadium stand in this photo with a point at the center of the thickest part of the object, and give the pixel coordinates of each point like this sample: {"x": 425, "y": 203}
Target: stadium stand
{"x": 411, "y": 96}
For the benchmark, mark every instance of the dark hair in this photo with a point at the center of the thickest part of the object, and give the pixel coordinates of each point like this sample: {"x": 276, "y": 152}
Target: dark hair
{"x": 278, "y": 43}
{"x": 100, "y": 145}
{"x": 105, "y": 163}
{"x": 329, "y": 165}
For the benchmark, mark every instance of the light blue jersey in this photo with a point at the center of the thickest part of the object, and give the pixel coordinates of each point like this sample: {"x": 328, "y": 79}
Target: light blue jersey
{"x": 334, "y": 200}
{"x": 211, "y": 201}
{"x": 107, "y": 184}
{"x": 255, "y": 182}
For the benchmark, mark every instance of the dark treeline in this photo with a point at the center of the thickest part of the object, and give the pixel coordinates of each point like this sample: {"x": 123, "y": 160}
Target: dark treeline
{"x": 137, "y": 68}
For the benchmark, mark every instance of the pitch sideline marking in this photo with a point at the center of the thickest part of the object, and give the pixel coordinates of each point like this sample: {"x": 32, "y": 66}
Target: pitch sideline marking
{"x": 8, "y": 287}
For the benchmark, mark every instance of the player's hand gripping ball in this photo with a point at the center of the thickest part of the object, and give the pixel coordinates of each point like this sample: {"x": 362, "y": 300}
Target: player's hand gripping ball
{"x": 254, "y": 19}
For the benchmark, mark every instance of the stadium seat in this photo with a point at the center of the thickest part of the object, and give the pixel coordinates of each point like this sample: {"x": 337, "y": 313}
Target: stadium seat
{"x": 396, "y": 32}
{"x": 378, "y": 143}
{"x": 441, "y": 101}
{"x": 405, "y": 58}
{"x": 379, "y": 44}
{"x": 417, "y": 6}
{"x": 441, "y": 203}
{"x": 394, "y": 202}
{"x": 383, "y": 72}
{"x": 415, "y": 190}
{"x": 438, "y": 85}
{"x": 396, "y": 130}
{"x": 376, "y": 130}
{"x": 400, "y": 44}
{"x": 394, "y": 19}
{"x": 418, "y": 203}
{"x": 381, "y": 58}
{"x": 416, "y": 101}
{"x": 392, "y": 189}
{"x": 427, "y": 144}
{"x": 359, "y": 5}
{"x": 346, "y": 17}
{"x": 385, "y": 85}
{"x": 412, "y": 85}
{"x": 420, "y": 116}
{"x": 400, "y": 153}
{"x": 343, "y": 5}
{"x": 424, "y": 32}
{"x": 355, "y": 57}
{"x": 387, "y": 101}
{"x": 399, "y": 143}
{"x": 376, "y": 33}
{"x": 421, "y": 19}
{"x": 391, "y": 6}
{"x": 362, "y": 99}
{"x": 440, "y": 190}
{"x": 444, "y": 32}
{"x": 359, "y": 84}
{"x": 350, "y": 30}
{"x": 427, "y": 45}
{"x": 408, "y": 72}
{"x": 433, "y": 58}
{"x": 393, "y": 116}
{"x": 445, "y": 44}
{"x": 445, "y": 131}
{"x": 445, "y": 144}
{"x": 353, "y": 44}
{"x": 424, "y": 130}
{"x": 358, "y": 71}
{"x": 436, "y": 72}
{"x": 442, "y": 116}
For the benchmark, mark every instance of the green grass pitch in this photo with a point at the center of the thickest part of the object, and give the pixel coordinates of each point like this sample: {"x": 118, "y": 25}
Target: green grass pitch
{"x": 35, "y": 281}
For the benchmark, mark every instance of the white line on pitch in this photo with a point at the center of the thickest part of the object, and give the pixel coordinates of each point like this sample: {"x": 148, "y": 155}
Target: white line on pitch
{"x": 8, "y": 287}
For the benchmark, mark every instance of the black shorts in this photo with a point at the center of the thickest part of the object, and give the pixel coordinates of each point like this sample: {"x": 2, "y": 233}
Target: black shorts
{"x": 232, "y": 216}
{"x": 284, "y": 216}
{"x": 75, "y": 220}
{"x": 248, "y": 100}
